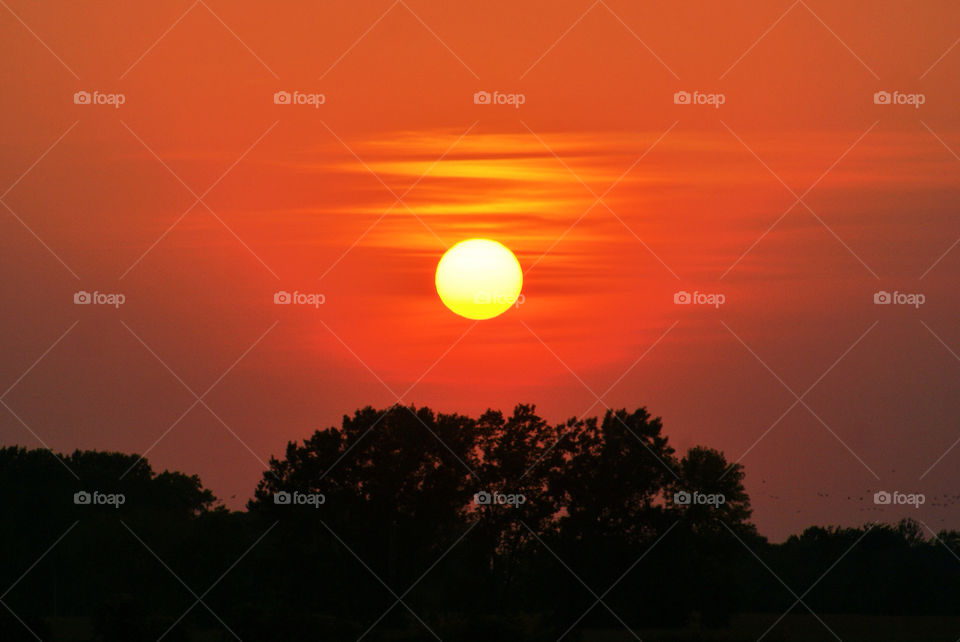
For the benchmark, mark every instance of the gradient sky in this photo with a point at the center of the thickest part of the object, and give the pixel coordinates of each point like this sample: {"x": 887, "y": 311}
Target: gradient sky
{"x": 199, "y": 197}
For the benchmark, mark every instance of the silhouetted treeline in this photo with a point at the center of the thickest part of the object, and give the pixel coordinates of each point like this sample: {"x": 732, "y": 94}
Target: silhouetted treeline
{"x": 405, "y": 524}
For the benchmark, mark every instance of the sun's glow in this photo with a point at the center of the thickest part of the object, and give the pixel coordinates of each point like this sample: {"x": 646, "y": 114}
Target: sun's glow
{"x": 479, "y": 279}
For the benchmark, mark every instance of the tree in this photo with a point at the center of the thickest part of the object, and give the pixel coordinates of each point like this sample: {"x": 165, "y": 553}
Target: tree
{"x": 395, "y": 485}
{"x": 616, "y": 472}
{"x": 356, "y": 514}
{"x": 714, "y": 493}
{"x": 519, "y": 459}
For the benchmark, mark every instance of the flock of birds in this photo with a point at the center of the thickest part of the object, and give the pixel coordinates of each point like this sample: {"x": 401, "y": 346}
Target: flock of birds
{"x": 867, "y": 505}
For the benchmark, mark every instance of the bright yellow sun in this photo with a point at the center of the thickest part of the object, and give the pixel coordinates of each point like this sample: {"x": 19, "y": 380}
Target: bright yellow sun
{"x": 479, "y": 279}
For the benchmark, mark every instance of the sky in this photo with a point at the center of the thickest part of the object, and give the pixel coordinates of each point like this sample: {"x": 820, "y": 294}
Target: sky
{"x": 738, "y": 151}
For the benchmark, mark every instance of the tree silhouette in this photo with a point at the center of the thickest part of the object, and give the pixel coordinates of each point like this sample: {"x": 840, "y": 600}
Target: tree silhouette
{"x": 486, "y": 528}
{"x": 705, "y": 471}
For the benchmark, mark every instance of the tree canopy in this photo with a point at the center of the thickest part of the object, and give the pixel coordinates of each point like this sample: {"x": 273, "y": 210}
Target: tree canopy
{"x": 401, "y": 520}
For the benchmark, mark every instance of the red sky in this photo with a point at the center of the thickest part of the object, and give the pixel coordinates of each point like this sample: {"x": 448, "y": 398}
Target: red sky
{"x": 359, "y": 198}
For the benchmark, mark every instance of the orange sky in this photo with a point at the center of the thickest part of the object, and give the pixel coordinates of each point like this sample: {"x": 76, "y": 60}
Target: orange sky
{"x": 358, "y": 198}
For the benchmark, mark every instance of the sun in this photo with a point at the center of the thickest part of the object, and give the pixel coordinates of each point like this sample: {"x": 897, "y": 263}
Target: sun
{"x": 479, "y": 279}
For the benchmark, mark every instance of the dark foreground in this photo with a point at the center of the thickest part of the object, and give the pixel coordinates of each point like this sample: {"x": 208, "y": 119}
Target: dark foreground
{"x": 405, "y": 525}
